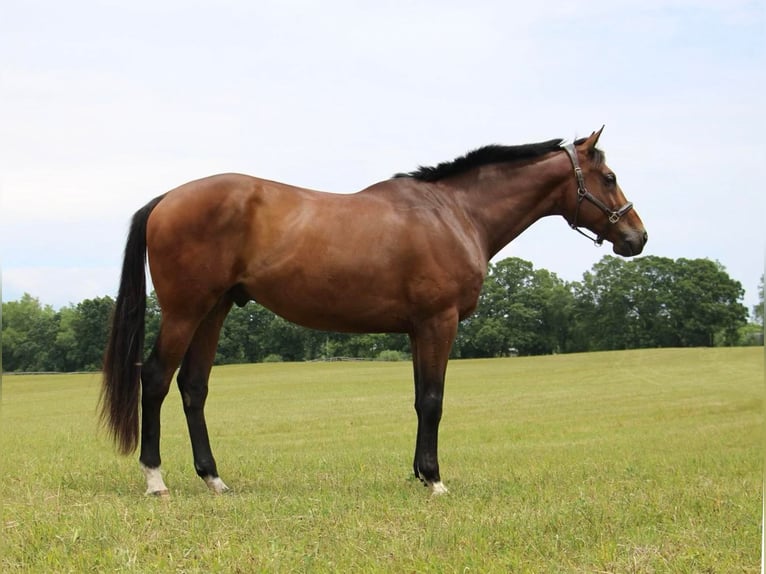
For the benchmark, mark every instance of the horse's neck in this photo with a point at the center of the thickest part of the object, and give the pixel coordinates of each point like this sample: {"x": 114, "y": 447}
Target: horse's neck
{"x": 505, "y": 200}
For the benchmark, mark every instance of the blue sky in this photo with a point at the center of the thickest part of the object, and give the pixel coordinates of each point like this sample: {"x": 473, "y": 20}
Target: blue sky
{"x": 107, "y": 104}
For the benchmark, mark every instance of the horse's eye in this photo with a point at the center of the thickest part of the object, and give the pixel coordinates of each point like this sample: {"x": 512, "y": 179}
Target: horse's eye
{"x": 610, "y": 178}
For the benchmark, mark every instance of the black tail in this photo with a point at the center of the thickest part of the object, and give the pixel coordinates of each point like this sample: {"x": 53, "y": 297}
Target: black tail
{"x": 124, "y": 350}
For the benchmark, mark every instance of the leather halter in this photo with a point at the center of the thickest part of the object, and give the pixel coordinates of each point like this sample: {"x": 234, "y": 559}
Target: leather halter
{"x": 613, "y": 215}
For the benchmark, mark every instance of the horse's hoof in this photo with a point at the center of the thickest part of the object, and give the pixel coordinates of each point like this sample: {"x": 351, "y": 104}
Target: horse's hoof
{"x": 155, "y": 486}
{"x": 218, "y": 491}
{"x": 216, "y": 485}
{"x": 437, "y": 488}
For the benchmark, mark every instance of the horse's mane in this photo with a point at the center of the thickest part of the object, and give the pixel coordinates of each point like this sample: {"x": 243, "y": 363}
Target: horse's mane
{"x": 488, "y": 155}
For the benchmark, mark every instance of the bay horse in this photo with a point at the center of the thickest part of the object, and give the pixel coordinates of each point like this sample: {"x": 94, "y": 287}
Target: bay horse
{"x": 405, "y": 255}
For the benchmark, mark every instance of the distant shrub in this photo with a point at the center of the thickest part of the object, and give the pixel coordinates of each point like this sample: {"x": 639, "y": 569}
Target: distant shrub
{"x": 273, "y": 358}
{"x": 389, "y": 355}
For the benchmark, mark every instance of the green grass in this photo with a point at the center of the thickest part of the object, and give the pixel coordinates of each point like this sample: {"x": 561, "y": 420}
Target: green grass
{"x": 641, "y": 461}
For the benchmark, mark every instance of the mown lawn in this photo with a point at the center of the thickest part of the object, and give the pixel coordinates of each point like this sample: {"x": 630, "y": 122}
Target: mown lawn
{"x": 640, "y": 461}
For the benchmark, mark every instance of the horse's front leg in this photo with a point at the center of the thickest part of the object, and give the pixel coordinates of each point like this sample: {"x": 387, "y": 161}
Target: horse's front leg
{"x": 431, "y": 343}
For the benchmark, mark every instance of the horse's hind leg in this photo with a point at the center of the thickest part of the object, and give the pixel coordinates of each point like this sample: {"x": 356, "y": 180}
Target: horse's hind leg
{"x": 193, "y": 384}
{"x": 156, "y": 375}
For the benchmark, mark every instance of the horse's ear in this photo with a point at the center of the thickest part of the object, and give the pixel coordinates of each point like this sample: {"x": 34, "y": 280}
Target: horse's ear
{"x": 593, "y": 139}
{"x": 590, "y": 142}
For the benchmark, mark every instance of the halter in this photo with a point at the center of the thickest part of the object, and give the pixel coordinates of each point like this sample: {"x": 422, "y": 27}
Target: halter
{"x": 583, "y": 193}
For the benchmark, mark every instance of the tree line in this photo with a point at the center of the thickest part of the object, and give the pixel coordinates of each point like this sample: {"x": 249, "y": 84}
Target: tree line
{"x": 619, "y": 304}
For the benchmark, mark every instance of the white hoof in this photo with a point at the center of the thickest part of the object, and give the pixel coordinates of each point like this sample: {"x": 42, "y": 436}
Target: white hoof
{"x": 216, "y": 485}
{"x": 155, "y": 486}
{"x": 437, "y": 488}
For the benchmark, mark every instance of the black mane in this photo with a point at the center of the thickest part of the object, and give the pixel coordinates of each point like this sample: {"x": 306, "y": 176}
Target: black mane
{"x": 483, "y": 156}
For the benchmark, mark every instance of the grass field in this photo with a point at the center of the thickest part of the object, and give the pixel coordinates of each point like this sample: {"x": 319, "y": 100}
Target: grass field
{"x": 641, "y": 461}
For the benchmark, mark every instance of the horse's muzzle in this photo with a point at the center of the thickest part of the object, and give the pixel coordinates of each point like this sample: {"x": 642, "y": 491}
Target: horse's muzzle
{"x": 631, "y": 244}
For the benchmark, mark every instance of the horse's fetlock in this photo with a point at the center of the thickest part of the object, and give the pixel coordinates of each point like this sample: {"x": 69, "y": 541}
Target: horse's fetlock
{"x": 205, "y": 468}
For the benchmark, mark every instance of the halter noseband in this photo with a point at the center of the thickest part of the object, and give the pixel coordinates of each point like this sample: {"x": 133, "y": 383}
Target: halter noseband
{"x": 583, "y": 193}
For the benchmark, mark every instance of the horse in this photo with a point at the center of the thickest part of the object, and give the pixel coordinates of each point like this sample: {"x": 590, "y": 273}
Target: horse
{"x": 405, "y": 255}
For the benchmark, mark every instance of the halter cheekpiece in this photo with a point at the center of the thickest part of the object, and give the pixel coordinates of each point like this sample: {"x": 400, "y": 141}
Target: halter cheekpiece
{"x": 583, "y": 193}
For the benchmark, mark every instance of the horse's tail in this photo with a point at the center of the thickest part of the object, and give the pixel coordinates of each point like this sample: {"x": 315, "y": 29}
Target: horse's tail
{"x": 124, "y": 350}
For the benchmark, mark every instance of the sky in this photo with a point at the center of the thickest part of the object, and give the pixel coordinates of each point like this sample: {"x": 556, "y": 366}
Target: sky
{"x": 106, "y": 104}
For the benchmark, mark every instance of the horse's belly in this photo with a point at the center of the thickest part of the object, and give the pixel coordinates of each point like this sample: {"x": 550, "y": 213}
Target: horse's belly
{"x": 333, "y": 304}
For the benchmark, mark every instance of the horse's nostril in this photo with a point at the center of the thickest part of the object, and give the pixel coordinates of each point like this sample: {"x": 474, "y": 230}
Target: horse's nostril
{"x": 646, "y": 237}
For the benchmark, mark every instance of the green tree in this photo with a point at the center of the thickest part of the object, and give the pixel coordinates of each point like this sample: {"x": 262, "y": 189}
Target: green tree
{"x": 244, "y": 336}
{"x": 29, "y": 334}
{"x": 521, "y": 308}
{"x": 707, "y": 303}
{"x": 152, "y": 322}
{"x": 66, "y": 353}
{"x": 627, "y": 304}
{"x": 758, "y": 309}
{"x": 365, "y": 346}
{"x": 604, "y": 307}
{"x": 234, "y": 339}
{"x": 652, "y": 285}
{"x": 90, "y": 326}
{"x": 657, "y": 302}
{"x": 252, "y": 333}
{"x": 284, "y": 339}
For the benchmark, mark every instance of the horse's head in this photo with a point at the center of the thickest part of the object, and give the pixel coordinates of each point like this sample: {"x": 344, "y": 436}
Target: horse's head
{"x": 595, "y": 201}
